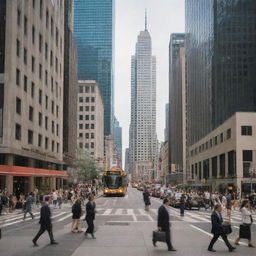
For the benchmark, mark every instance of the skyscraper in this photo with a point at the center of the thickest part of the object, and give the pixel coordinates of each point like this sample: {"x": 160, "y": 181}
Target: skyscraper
{"x": 221, "y": 54}
{"x": 143, "y": 139}
{"x": 94, "y": 34}
{"x": 118, "y": 139}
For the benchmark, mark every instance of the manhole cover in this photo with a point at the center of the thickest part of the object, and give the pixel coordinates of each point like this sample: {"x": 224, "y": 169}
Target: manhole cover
{"x": 117, "y": 223}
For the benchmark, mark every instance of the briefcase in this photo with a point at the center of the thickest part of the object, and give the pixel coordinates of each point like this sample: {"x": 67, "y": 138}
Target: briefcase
{"x": 227, "y": 229}
{"x": 245, "y": 231}
{"x": 159, "y": 236}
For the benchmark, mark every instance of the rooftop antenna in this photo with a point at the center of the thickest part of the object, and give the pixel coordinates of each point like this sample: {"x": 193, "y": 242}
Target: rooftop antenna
{"x": 146, "y": 20}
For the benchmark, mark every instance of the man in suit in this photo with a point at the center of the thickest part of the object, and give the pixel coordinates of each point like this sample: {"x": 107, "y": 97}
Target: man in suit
{"x": 217, "y": 229}
{"x": 45, "y": 221}
{"x": 90, "y": 216}
{"x": 28, "y": 206}
{"x": 146, "y": 198}
{"x": 163, "y": 223}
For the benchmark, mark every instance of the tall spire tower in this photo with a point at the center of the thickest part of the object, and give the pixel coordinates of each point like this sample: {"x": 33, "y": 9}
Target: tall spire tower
{"x": 146, "y": 20}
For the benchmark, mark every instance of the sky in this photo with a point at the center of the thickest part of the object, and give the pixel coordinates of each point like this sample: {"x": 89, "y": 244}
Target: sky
{"x": 164, "y": 17}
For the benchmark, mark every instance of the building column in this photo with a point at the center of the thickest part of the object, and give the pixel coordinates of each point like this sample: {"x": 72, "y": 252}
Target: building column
{"x": 218, "y": 167}
{"x": 210, "y": 168}
{"x": 52, "y": 183}
{"x": 31, "y": 179}
{"x": 226, "y": 165}
{"x": 8, "y": 178}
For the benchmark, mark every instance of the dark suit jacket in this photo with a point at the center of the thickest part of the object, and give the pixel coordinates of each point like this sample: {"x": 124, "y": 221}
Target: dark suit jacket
{"x": 76, "y": 210}
{"x": 217, "y": 228}
{"x": 45, "y": 217}
{"x": 163, "y": 219}
{"x": 90, "y": 211}
{"x": 146, "y": 197}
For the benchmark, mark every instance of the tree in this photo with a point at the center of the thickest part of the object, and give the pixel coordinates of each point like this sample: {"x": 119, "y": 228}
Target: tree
{"x": 86, "y": 168}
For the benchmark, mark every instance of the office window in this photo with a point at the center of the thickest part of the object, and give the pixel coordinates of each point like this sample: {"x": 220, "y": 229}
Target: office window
{"x": 18, "y": 132}
{"x": 92, "y": 89}
{"x": 221, "y": 137}
{"x": 87, "y": 99}
{"x": 80, "y": 145}
{"x": 40, "y": 96}
{"x": 87, "y": 126}
{"x": 87, "y": 89}
{"x": 92, "y": 117}
{"x": 57, "y": 130}
{"x": 25, "y": 83}
{"x": 52, "y": 84}
{"x": 92, "y": 144}
{"x": 46, "y": 142}
{"x": 80, "y": 135}
{"x": 18, "y": 17}
{"x": 58, "y": 147}
{"x": 87, "y": 117}
{"x": 40, "y": 119}
{"x": 92, "y": 99}
{"x": 51, "y": 58}
{"x": 47, "y": 18}
{"x": 18, "y": 105}
{"x": 17, "y": 76}
{"x": 51, "y": 26}
{"x": 46, "y": 102}
{"x": 30, "y": 137}
{"x": 39, "y": 140}
{"x": 81, "y": 89}
{"x": 92, "y": 108}
{"x": 56, "y": 64}
{"x": 87, "y": 108}
{"x": 46, "y": 51}
{"x": 228, "y": 133}
{"x": 17, "y": 48}
{"x": 57, "y": 37}
{"x": 25, "y": 53}
{"x": 33, "y": 34}
{"x": 53, "y": 146}
{"x": 81, "y": 108}
{"x": 40, "y": 42}
{"x": 80, "y": 126}
{"x": 52, "y": 107}
{"x": 53, "y": 126}
{"x": 25, "y": 25}
{"x": 33, "y": 64}
{"x": 41, "y": 9}
{"x": 92, "y": 126}
{"x": 215, "y": 140}
{"x": 40, "y": 71}
{"x": 87, "y": 135}
{"x": 57, "y": 111}
{"x": 80, "y": 117}
{"x": 86, "y": 145}
{"x": 31, "y": 113}
{"x": 246, "y": 130}
{"x": 34, "y": 3}
{"x": 46, "y": 78}
{"x": 56, "y": 89}
{"x": 32, "y": 89}
{"x": 46, "y": 123}
{"x": 92, "y": 135}
{"x": 81, "y": 99}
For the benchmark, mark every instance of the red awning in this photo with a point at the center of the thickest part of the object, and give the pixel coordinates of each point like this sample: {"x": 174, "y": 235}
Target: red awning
{"x": 28, "y": 172}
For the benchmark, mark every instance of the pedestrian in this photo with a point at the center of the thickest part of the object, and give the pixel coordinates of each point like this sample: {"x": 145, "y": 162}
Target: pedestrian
{"x": 146, "y": 198}
{"x": 77, "y": 211}
{"x": 247, "y": 220}
{"x": 45, "y": 222}
{"x": 182, "y": 205}
{"x": 55, "y": 198}
{"x": 163, "y": 223}
{"x": 28, "y": 206}
{"x": 90, "y": 216}
{"x": 217, "y": 229}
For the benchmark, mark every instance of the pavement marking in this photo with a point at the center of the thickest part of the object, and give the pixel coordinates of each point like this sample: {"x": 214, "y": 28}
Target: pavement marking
{"x": 142, "y": 212}
{"x": 18, "y": 217}
{"x": 69, "y": 215}
{"x": 107, "y": 212}
{"x": 119, "y": 212}
{"x": 130, "y": 212}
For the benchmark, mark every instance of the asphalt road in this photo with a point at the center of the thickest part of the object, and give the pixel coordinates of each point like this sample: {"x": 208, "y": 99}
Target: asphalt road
{"x": 122, "y": 228}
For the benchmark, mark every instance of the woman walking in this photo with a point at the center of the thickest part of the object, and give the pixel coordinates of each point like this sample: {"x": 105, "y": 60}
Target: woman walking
{"x": 90, "y": 216}
{"x": 247, "y": 220}
{"x": 77, "y": 212}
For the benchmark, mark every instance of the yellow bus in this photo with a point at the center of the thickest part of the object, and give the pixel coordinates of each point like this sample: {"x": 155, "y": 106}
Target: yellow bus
{"x": 114, "y": 182}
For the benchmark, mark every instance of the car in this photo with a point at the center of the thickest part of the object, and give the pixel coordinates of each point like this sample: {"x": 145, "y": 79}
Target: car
{"x": 175, "y": 200}
{"x": 193, "y": 202}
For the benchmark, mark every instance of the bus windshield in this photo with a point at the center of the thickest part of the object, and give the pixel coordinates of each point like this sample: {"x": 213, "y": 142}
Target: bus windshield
{"x": 113, "y": 181}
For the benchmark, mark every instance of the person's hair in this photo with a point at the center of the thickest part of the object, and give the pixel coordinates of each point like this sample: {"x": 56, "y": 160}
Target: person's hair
{"x": 217, "y": 206}
{"x": 166, "y": 200}
{"x": 244, "y": 203}
{"x": 47, "y": 198}
{"x": 78, "y": 200}
{"x": 90, "y": 197}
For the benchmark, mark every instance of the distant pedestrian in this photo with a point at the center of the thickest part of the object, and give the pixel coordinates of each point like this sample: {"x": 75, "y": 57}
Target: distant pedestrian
{"x": 90, "y": 216}
{"x": 217, "y": 229}
{"x": 247, "y": 220}
{"x": 182, "y": 205}
{"x": 55, "y": 198}
{"x": 45, "y": 221}
{"x": 77, "y": 212}
{"x": 163, "y": 223}
{"x": 28, "y": 206}
{"x": 146, "y": 198}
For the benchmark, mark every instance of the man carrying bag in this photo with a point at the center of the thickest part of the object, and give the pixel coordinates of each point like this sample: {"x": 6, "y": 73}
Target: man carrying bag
{"x": 164, "y": 233}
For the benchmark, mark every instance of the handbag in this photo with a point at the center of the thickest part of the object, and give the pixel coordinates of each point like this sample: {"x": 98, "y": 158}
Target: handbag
{"x": 245, "y": 231}
{"x": 227, "y": 229}
{"x": 159, "y": 236}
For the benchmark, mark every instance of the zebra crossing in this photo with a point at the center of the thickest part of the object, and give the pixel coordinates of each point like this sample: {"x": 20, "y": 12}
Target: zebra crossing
{"x": 131, "y": 215}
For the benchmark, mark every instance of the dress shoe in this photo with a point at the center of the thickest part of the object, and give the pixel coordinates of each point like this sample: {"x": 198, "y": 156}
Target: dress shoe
{"x": 154, "y": 243}
{"x": 93, "y": 237}
{"x": 54, "y": 242}
{"x": 35, "y": 243}
{"x": 172, "y": 250}
{"x": 250, "y": 245}
{"x": 211, "y": 250}
{"x": 232, "y": 249}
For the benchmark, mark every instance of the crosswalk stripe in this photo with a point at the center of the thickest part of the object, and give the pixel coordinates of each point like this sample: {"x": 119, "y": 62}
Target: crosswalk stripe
{"x": 18, "y": 217}
{"x": 130, "y": 212}
{"x": 119, "y": 212}
{"x": 142, "y": 212}
{"x": 107, "y": 212}
{"x": 69, "y": 215}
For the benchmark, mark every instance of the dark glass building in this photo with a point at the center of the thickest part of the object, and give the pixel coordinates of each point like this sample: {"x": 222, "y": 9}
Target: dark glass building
{"x": 94, "y": 35}
{"x": 221, "y": 62}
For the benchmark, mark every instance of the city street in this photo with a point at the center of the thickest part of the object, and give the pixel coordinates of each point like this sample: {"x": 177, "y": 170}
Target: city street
{"x": 122, "y": 227}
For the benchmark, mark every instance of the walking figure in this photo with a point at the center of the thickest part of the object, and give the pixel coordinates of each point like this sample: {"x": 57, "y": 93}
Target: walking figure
{"x": 28, "y": 206}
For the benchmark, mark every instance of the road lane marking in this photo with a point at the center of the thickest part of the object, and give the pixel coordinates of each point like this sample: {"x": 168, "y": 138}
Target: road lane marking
{"x": 130, "y": 212}
{"x": 107, "y": 212}
{"x": 119, "y": 212}
{"x": 69, "y": 215}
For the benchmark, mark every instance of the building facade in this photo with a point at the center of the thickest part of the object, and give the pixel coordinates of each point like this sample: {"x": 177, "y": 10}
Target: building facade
{"x": 70, "y": 88}
{"x": 31, "y": 89}
{"x": 118, "y": 141}
{"x": 221, "y": 53}
{"x": 143, "y": 139}
{"x": 176, "y": 100}
{"x": 94, "y": 35}
{"x": 225, "y": 159}
{"x": 90, "y": 118}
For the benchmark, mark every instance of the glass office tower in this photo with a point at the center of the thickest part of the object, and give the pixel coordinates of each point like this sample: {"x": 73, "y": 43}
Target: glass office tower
{"x": 94, "y": 35}
{"x": 221, "y": 62}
